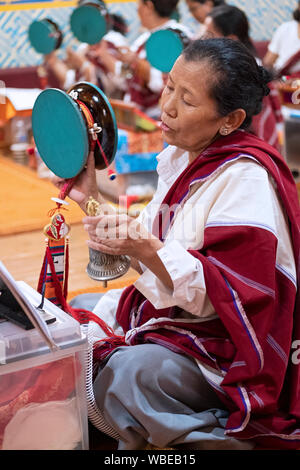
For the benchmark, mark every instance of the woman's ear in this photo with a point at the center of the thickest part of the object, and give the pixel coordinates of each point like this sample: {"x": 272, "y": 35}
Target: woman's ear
{"x": 149, "y": 5}
{"x": 233, "y": 121}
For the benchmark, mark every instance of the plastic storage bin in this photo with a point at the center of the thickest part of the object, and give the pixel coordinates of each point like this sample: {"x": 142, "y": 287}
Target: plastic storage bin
{"x": 43, "y": 402}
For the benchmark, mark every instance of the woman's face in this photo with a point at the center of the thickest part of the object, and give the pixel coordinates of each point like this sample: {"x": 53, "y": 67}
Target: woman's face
{"x": 199, "y": 10}
{"x": 190, "y": 119}
{"x": 143, "y": 11}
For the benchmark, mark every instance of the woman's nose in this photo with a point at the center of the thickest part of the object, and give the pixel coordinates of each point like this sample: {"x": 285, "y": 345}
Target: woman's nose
{"x": 169, "y": 106}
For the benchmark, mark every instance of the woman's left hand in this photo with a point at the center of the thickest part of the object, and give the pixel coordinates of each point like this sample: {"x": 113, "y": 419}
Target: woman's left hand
{"x": 119, "y": 234}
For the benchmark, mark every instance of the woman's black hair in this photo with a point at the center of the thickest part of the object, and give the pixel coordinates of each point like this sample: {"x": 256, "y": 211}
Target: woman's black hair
{"x": 231, "y": 20}
{"x": 237, "y": 81}
{"x": 164, "y": 8}
{"x": 296, "y": 13}
{"x": 118, "y": 23}
{"x": 216, "y": 3}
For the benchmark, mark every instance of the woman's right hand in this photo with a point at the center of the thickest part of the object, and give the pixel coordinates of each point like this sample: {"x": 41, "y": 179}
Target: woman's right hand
{"x": 85, "y": 184}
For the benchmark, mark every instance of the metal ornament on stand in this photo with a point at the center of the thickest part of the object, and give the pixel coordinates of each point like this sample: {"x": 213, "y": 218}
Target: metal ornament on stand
{"x": 102, "y": 266}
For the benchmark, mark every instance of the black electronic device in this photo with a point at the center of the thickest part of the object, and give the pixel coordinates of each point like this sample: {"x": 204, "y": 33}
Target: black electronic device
{"x": 11, "y": 310}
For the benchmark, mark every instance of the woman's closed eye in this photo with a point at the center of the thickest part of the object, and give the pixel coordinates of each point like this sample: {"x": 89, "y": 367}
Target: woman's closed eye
{"x": 169, "y": 87}
{"x": 187, "y": 101}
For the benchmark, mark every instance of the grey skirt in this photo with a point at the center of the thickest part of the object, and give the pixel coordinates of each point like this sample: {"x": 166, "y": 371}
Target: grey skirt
{"x": 148, "y": 394}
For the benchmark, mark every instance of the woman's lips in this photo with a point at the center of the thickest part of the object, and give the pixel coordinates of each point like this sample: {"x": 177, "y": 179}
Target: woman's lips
{"x": 164, "y": 127}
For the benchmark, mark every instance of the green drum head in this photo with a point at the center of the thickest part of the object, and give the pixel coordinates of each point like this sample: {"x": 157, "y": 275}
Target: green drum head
{"x": 42, "y": 36}
{"x": 60, "y": 133}
{"x": 88, "y": 24}
{"x": 163, "y": 48}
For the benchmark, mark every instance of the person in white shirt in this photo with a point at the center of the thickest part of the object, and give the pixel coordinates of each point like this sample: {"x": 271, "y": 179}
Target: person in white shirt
{"x": 144, "y": 83}
{"x": 195, "y": 353}
{"x": 284, "y": 49}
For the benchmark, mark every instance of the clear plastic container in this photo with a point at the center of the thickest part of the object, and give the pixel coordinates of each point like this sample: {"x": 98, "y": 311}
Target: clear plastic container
{"x": 43, "y": 402}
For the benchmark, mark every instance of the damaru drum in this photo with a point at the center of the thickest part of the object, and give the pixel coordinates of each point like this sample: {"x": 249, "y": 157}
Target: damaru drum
{"x": 90, "y": 21}
{"x": 65, "y": 126}
{"x": 45, "y": 36}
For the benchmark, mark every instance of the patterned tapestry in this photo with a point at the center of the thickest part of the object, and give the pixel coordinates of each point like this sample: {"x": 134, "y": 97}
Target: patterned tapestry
{"x": 16, "y": 16}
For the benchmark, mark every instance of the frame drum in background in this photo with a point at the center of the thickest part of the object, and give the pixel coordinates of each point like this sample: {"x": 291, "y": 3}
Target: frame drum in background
{"x": 90, "y": 21}
{"x": 164, "y": 47}
{"x": 45, "y": 36}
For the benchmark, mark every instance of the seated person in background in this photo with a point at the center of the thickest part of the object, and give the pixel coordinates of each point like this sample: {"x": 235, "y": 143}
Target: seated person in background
{"x": 111, "y": 43}
{"x": 200, "y": 9}
{"x": 284, "y": 49}
{"x": 73, "y": 69}
{"x": 202, "y": 356}
{"x": 83, "y": 63}
{"x": 144, "y": 83}
{"x": 231, "y": 22}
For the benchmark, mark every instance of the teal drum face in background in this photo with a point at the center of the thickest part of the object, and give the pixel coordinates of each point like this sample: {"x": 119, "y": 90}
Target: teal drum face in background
{"x": 65, "y": 126}
{"x": 90, "y": 21}
{"x": 164, "y": 47}
{"x": 45, "y": 36}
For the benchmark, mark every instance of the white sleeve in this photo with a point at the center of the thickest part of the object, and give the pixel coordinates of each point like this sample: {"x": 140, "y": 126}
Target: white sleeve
{"x": 70, "y": 79}
{"x": 276, "y": 41}
{"x": 118, "y": 68}
{"x": 156, "y": 83}
{"x": 187, "y": 275}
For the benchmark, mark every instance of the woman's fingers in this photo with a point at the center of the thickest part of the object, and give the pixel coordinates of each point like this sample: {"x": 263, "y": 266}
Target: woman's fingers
{"x": 116, "y": 226}
{"x": 105, "y": 248}
{"x": 57, "y": 181}
{"x": 90, "y": 163}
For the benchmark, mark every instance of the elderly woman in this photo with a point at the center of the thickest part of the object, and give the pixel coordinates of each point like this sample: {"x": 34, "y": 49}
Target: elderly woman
{"x": 201, "y": 353}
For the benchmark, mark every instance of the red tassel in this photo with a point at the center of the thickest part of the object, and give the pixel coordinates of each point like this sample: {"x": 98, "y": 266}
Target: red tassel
{"x": 42, "y": 275}
{"x": 67, "y": 188}
{"x": 58, "y": 207}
